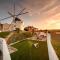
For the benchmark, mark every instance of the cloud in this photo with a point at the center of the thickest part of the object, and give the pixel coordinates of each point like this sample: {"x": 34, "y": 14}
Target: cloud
{"x": 40, "y": 11}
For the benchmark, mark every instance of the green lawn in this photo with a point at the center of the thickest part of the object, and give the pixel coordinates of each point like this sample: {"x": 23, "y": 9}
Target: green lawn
{"x": 56, "y": 43}
{"x": 4, "y": 34}
{"x": 26, "y": 51}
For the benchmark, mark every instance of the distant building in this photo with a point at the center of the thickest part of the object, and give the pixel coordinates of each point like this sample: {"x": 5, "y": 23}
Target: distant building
{"x": 8, "y": 27}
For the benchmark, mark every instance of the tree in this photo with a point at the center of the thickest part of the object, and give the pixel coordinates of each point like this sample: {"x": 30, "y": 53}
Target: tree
{"x": 17, "y": 30}
{"x": 26, "y": 29}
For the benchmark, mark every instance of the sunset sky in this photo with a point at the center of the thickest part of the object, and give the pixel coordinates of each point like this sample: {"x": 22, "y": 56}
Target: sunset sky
{"x": 43, "y": 14}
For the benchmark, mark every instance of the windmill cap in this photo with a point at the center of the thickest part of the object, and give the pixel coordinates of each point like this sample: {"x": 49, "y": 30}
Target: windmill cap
{"x": 17, "y": 19}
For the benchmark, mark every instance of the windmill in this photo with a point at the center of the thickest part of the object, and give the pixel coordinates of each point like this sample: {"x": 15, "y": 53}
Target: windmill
{"x": 15, "y": 16}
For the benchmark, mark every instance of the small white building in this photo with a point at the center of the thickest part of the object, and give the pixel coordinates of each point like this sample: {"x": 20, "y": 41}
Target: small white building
{"x": 41, "y": 35}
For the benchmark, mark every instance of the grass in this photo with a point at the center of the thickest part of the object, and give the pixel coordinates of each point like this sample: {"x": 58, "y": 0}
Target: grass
{"x": 4, "y": 34}
{"x": 26, "y": 51}
{"x": 56, "y": 44}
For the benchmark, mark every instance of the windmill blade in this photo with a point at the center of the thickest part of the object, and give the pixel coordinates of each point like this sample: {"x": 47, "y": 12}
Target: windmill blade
{"x": 5, "y": 18}
{"x": 25, "y": 13}
{"x": 10, "y": 14}
{"x": 9, "y": 25}
{"x": 21, "y": 14}
{"x": 22, "y": 10}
